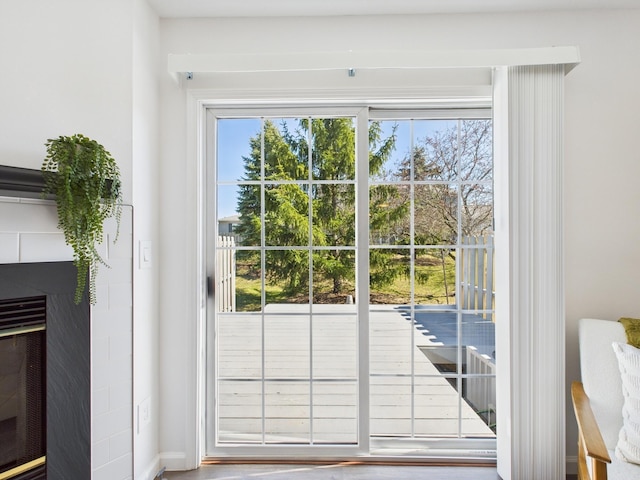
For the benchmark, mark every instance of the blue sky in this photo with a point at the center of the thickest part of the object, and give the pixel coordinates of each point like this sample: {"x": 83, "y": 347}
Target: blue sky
{"x": 233, "y": 144}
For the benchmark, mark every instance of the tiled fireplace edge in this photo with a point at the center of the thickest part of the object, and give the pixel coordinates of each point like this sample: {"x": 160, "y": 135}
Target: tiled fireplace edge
{"x": 29, "y": 233}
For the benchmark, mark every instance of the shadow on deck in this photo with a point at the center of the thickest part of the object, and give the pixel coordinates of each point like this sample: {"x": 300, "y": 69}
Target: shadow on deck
{"x": 439, "y": 323}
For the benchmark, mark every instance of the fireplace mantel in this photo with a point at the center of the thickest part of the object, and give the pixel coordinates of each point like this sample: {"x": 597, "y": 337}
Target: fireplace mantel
{"x": 25, "y": 182}
{"x": 21, "y": 182}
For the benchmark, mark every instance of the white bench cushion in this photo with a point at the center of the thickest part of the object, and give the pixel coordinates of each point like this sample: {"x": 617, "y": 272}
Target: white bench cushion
{"x": 618, "y": 469}
{"x": 601, "y": 375}
{"x": 628, "y": 447}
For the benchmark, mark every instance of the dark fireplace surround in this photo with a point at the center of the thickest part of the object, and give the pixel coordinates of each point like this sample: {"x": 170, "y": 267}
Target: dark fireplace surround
{"x": 68, "y": 370}
{"x": 67, "y": 346}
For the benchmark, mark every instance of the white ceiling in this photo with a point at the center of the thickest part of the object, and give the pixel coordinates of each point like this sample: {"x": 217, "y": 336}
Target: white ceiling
{"x": 270, "y": 8}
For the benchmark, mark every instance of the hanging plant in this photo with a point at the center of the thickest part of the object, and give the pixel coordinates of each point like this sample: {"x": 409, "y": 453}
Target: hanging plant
{"x": 85, "y": 180}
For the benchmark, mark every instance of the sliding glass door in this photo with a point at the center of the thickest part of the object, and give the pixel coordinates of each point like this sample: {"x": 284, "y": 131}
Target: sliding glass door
{"x": 350, "y": 263}
{"x": 285, "y": 369}
{"x": 432, "y": 336}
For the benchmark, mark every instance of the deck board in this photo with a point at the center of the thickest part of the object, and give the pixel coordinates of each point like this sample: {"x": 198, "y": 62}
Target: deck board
{"x": 290, "y": 398}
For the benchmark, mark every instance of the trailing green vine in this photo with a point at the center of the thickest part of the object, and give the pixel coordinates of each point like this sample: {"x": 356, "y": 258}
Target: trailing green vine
{"x": 85, "y": 180}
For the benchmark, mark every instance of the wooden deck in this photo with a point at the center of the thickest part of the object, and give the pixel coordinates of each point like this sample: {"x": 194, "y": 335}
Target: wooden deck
{"x": 408, "y": 395}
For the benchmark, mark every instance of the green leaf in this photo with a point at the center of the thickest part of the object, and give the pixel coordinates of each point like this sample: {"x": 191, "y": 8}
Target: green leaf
{"x": 85, "y": 180}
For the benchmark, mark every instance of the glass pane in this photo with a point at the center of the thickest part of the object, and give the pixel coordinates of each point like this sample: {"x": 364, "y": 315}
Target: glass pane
{"x": 334, "y": 273}
{"x": 435, "y": 150}
{"x": 239, "y": 346}
{"x": 248, "y": 227}
{"x": 478, "y": 426}
{"x": 480, "y": 395}
{"x": 287, "y": 411}
{"x": 439, "y": 338}
{"x": 477, "y": 209}
{"x": 239, "y": 411}
{"x": 334, "y": 215}
{"x": 391, "y": 341}
{"x": 335, "y": 343}
{"x": 389, "y": 214}
{"x": 247, "y": 281}
{"x": 441, "y": 416}
{"x": 226, "y": 275}
{"x": 335, "y": 412}
{"x": 478, "y": 337}
{"x": 286, "y": 215}
{"x": 390, "y": 404}
{"x": 476, "y": 270}
{"x": 436, "y": 406}
{"x": 476, "y": 150}
{"x": 436, "y": 214}
{"x": 286, "y": 149}
{"x": 477, "y": 407}
{"x": 435, "y": 276}
{"x": 390, "y": 276}
{"x": 480, "y": 365}
{"x": 287, "y": 352}
{"x": 227, "y": 209}
{"x": 287, "y": 280}
{"x": 238, "y": 149}
{"x": 334, "y": 148}
{"x": 389, "y": 146}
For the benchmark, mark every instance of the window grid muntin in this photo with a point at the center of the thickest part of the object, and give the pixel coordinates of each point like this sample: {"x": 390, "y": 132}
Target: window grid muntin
{"x": 263, "y": 248}
{"x": 463, "y": 311}
{"x": 458, "y": 182}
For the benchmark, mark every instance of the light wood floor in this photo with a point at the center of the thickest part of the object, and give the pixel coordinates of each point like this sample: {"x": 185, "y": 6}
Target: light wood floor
{"x": 334, "y": 472}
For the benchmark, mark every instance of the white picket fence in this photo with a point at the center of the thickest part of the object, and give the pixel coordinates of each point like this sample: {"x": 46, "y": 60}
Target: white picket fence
{"x": 226, "y": 274}
{"x": 476, "y": 285}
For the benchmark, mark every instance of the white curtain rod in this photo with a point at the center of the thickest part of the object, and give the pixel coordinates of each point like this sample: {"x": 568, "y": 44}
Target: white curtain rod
{"x": 351, "y": 61}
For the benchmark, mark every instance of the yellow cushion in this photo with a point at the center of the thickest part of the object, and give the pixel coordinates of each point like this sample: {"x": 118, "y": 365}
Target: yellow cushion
{"x": 632, "y": 329}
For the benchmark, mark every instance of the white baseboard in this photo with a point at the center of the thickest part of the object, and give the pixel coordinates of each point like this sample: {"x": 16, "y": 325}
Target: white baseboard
{"x": 572, "y": 464}
{"x": 175, "y": 461}
{"x": 150, "y": 471}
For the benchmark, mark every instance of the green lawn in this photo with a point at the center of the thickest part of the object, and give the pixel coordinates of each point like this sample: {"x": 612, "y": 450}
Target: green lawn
{"x": 429, "y": 287}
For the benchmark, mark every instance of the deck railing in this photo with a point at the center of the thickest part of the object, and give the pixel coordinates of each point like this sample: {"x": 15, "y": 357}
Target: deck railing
{"x": 226, "y": 274}
{"x": 476, "y": 285}
{"x": 481, "y": 391}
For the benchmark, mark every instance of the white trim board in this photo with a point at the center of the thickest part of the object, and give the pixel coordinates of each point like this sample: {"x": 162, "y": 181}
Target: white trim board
{"x": 568, "y": 56}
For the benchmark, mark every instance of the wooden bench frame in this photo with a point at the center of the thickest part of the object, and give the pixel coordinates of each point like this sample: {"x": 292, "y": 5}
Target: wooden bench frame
{"x": 591, "y": 446}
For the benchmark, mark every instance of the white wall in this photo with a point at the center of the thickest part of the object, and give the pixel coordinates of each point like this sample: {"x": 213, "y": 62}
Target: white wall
{"x": 145, "y": 179}
{"x": 66, "y": 69}
{"x": 602, "y": 162}
{"x": 89, "y": 66}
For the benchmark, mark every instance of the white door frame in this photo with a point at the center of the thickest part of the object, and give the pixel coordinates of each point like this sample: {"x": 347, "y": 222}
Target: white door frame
{"x": 549, "y": 441}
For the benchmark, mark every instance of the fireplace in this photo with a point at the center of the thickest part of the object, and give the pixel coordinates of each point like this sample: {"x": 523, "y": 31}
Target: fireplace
{"x": 45, "y": 424}
{"x": 22, "y": 386}
{"x": 78, "y": 421}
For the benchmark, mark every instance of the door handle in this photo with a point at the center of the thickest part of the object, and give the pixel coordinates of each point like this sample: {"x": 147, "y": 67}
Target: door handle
{"x": 210, "y": 286}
